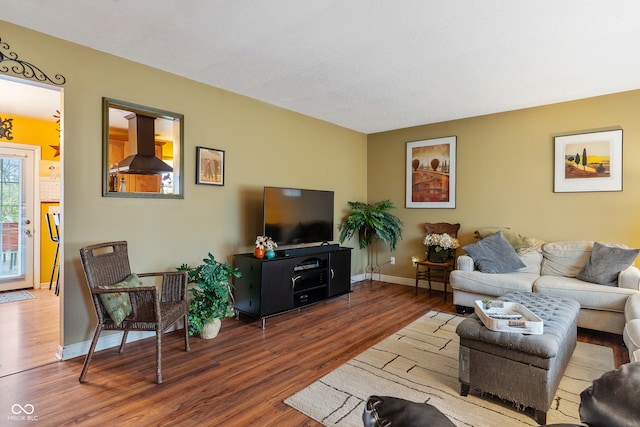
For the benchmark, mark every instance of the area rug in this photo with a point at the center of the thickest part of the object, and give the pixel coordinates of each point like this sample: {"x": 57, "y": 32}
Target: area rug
{"x": 15, "y": 296}
{"x": 420, "y": 363}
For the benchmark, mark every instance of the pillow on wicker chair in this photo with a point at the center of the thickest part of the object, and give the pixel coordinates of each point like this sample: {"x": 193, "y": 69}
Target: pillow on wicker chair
{"x": 118, "y": 304}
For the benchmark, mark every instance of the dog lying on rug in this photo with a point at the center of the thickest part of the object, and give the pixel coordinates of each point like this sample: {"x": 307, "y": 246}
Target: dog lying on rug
{"x": 610, "y": 401}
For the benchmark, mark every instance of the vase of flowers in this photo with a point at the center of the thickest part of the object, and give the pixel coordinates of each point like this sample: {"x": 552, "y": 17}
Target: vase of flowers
{"x": 265, "y": 247}
{"x": 440, "y": 247}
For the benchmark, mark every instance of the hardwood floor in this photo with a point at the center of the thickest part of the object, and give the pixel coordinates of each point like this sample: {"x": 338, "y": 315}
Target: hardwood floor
{"x": 239, "y": 378}
{"x": 29, "y": 331}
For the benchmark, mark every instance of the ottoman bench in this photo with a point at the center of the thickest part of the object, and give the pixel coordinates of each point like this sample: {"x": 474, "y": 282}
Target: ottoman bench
{"x": 523, "y": 369}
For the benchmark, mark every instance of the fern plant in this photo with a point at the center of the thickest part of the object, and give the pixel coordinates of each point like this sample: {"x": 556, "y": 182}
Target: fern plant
{"x": 371, "y": 221}
{"x": 212, "y": 298}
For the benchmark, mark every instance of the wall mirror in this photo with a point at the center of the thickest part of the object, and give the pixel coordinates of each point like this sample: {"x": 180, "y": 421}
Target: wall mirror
{"x": 142, "y": 151}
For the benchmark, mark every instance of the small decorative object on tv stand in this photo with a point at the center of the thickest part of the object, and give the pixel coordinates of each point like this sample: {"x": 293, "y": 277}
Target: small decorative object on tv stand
{"x": 269, "y": 287}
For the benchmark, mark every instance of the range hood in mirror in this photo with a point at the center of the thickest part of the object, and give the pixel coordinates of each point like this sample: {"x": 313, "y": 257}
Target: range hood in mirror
{"x": 142, "y": 159}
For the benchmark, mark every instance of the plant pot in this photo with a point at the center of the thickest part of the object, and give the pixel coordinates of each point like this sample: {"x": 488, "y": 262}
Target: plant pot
{"x": 439, "y": 256}
{"x": 258, "y": 253}
{"x": 211, "y": 329}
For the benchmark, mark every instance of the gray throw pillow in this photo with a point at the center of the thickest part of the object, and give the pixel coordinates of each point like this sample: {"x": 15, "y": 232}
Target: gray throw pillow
{"x": 605, "y": 263}
{"x": 494, "y": 254}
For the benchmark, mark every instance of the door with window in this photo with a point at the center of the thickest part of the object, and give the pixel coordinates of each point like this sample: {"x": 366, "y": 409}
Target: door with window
{"x": 17, "y": 215}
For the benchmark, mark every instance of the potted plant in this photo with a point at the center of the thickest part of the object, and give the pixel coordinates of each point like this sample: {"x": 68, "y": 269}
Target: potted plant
{"x": 371, "y": 221}
{"x": 212, "y": 299}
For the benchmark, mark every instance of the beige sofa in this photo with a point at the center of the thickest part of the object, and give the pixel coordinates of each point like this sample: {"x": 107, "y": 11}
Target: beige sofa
{"x": 631, "y": 332}
{"x": 551, "y": 269}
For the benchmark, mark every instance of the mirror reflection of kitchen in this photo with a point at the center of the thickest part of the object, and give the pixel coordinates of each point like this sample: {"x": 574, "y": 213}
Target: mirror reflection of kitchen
{"x": 144, "y": 147}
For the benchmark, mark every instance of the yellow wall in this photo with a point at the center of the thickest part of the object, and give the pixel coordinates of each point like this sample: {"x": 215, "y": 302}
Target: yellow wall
{"x": 264, "y": 145}
{"x": 505, "y": 176}
{"x": 44, "y": 134}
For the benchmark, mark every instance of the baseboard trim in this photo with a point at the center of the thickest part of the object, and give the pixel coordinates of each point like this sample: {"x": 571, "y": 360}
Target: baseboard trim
{"x": 438, "y": 286}
{"x": 107, "y": 339}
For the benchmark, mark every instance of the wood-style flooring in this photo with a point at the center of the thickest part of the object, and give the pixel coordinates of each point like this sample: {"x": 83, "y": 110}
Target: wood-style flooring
{"x": 239, "y": 378}
{"x": 29, "y": 332}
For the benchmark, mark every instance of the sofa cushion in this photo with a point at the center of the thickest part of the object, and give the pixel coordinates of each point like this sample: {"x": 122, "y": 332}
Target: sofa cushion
{"x": 589, "y": 295}
{"x": 493, "y": 285}
{"x": 565, "y": 258}
{"x": 605, "y": 263}
{"x": 494, "y": 254}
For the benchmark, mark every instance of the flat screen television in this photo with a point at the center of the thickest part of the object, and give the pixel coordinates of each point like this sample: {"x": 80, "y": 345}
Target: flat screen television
{"x": 294, "y": 216}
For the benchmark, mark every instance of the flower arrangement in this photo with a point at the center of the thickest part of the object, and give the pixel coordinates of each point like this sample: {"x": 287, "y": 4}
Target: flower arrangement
{"x": 265, "y": 243}
{"x": 444, "y": 241}
{"x": 440, "y": 247}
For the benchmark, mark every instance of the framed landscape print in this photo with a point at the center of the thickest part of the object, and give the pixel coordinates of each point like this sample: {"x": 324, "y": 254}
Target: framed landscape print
{"x": 588, "y": 162}
{"x": 431, "y": 173}
{"x": 210, "y": 166}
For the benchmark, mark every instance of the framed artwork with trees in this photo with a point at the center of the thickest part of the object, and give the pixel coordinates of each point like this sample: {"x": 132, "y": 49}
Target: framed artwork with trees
{"x": 431, "y": 173}
{"x": 588, "y": 162}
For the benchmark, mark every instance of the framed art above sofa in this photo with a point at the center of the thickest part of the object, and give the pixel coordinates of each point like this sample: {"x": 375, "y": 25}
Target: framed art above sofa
{"x": 588, "y": 162}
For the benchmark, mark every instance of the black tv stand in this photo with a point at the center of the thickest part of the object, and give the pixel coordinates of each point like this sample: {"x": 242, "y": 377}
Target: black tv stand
{"x": 308, "y": 250}
{"x": 273, "y": 286}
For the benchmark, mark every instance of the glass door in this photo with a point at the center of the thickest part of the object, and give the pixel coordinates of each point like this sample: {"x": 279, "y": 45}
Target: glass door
{"x": 16, "y": 217}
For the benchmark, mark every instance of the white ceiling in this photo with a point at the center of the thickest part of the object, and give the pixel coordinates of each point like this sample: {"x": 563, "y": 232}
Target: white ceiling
{"x": 367, "y": 65}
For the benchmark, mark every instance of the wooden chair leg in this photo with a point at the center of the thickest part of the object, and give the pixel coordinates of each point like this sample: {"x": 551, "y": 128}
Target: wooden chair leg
{"x": 92, "y": 347}
{"x": 186, "y": 333}
{"x": 158, "y": 357}
{"x": 124, "y": 341}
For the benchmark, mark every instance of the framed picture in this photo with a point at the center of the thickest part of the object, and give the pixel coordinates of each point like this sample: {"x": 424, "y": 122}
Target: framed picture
{"x": 209, "y": 166}
{"x": 431, "y": 173}
{"x": 588, "y": 162}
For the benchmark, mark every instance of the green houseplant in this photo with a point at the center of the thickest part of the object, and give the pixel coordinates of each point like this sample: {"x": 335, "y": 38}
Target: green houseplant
{"x": 371, "y": 221}
{"x": 212, "y": 299}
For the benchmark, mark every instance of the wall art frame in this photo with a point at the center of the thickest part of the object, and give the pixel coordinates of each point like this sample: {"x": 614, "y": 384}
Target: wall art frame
{"x": 210, "y": 166}
{"x": 588, "y": 162}
{"x": 431, "y": 173}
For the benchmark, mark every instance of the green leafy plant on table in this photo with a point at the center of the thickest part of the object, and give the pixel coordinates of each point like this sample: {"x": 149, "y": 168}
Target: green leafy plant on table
{"x": 212, "y": 297}
{"x": 371, "y": 221}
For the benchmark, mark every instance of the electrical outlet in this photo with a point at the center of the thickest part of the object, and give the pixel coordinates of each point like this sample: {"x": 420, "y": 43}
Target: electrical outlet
{"x": 392, "y": 260}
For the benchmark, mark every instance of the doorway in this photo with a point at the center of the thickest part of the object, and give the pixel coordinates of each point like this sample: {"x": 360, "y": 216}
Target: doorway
{"x": 30, "y": 172}
{"x": 18, "y": 217}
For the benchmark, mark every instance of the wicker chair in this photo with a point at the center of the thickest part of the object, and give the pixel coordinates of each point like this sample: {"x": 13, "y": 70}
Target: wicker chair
{"x": 437, "y": 270}
{"x": 106, "y": 264}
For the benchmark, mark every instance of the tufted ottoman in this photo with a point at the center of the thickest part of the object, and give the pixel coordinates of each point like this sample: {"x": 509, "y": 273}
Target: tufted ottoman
{"x": 523, "y": 369}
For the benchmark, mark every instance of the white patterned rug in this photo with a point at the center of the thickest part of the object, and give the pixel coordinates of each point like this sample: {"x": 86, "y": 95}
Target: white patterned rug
{"x": 15, "y": 296}
{"x": 420, "y": 363}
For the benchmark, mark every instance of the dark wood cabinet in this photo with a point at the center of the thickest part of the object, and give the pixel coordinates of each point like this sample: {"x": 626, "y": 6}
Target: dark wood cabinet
{"x": 272, "y": 286}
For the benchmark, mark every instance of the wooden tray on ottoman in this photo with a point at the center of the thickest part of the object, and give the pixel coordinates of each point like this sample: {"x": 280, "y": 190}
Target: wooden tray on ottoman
{"x": 504, "y": 316}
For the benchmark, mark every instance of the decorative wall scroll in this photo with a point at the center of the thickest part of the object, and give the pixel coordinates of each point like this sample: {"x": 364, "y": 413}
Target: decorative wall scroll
{"x": 24, "y": 68}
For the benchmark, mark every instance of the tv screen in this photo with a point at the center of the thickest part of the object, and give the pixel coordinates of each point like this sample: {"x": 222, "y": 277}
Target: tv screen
{"x": 294, "y": 216}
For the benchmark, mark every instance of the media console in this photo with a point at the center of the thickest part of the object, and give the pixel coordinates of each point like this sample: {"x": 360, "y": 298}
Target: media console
{"x": 273, "y": 286}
